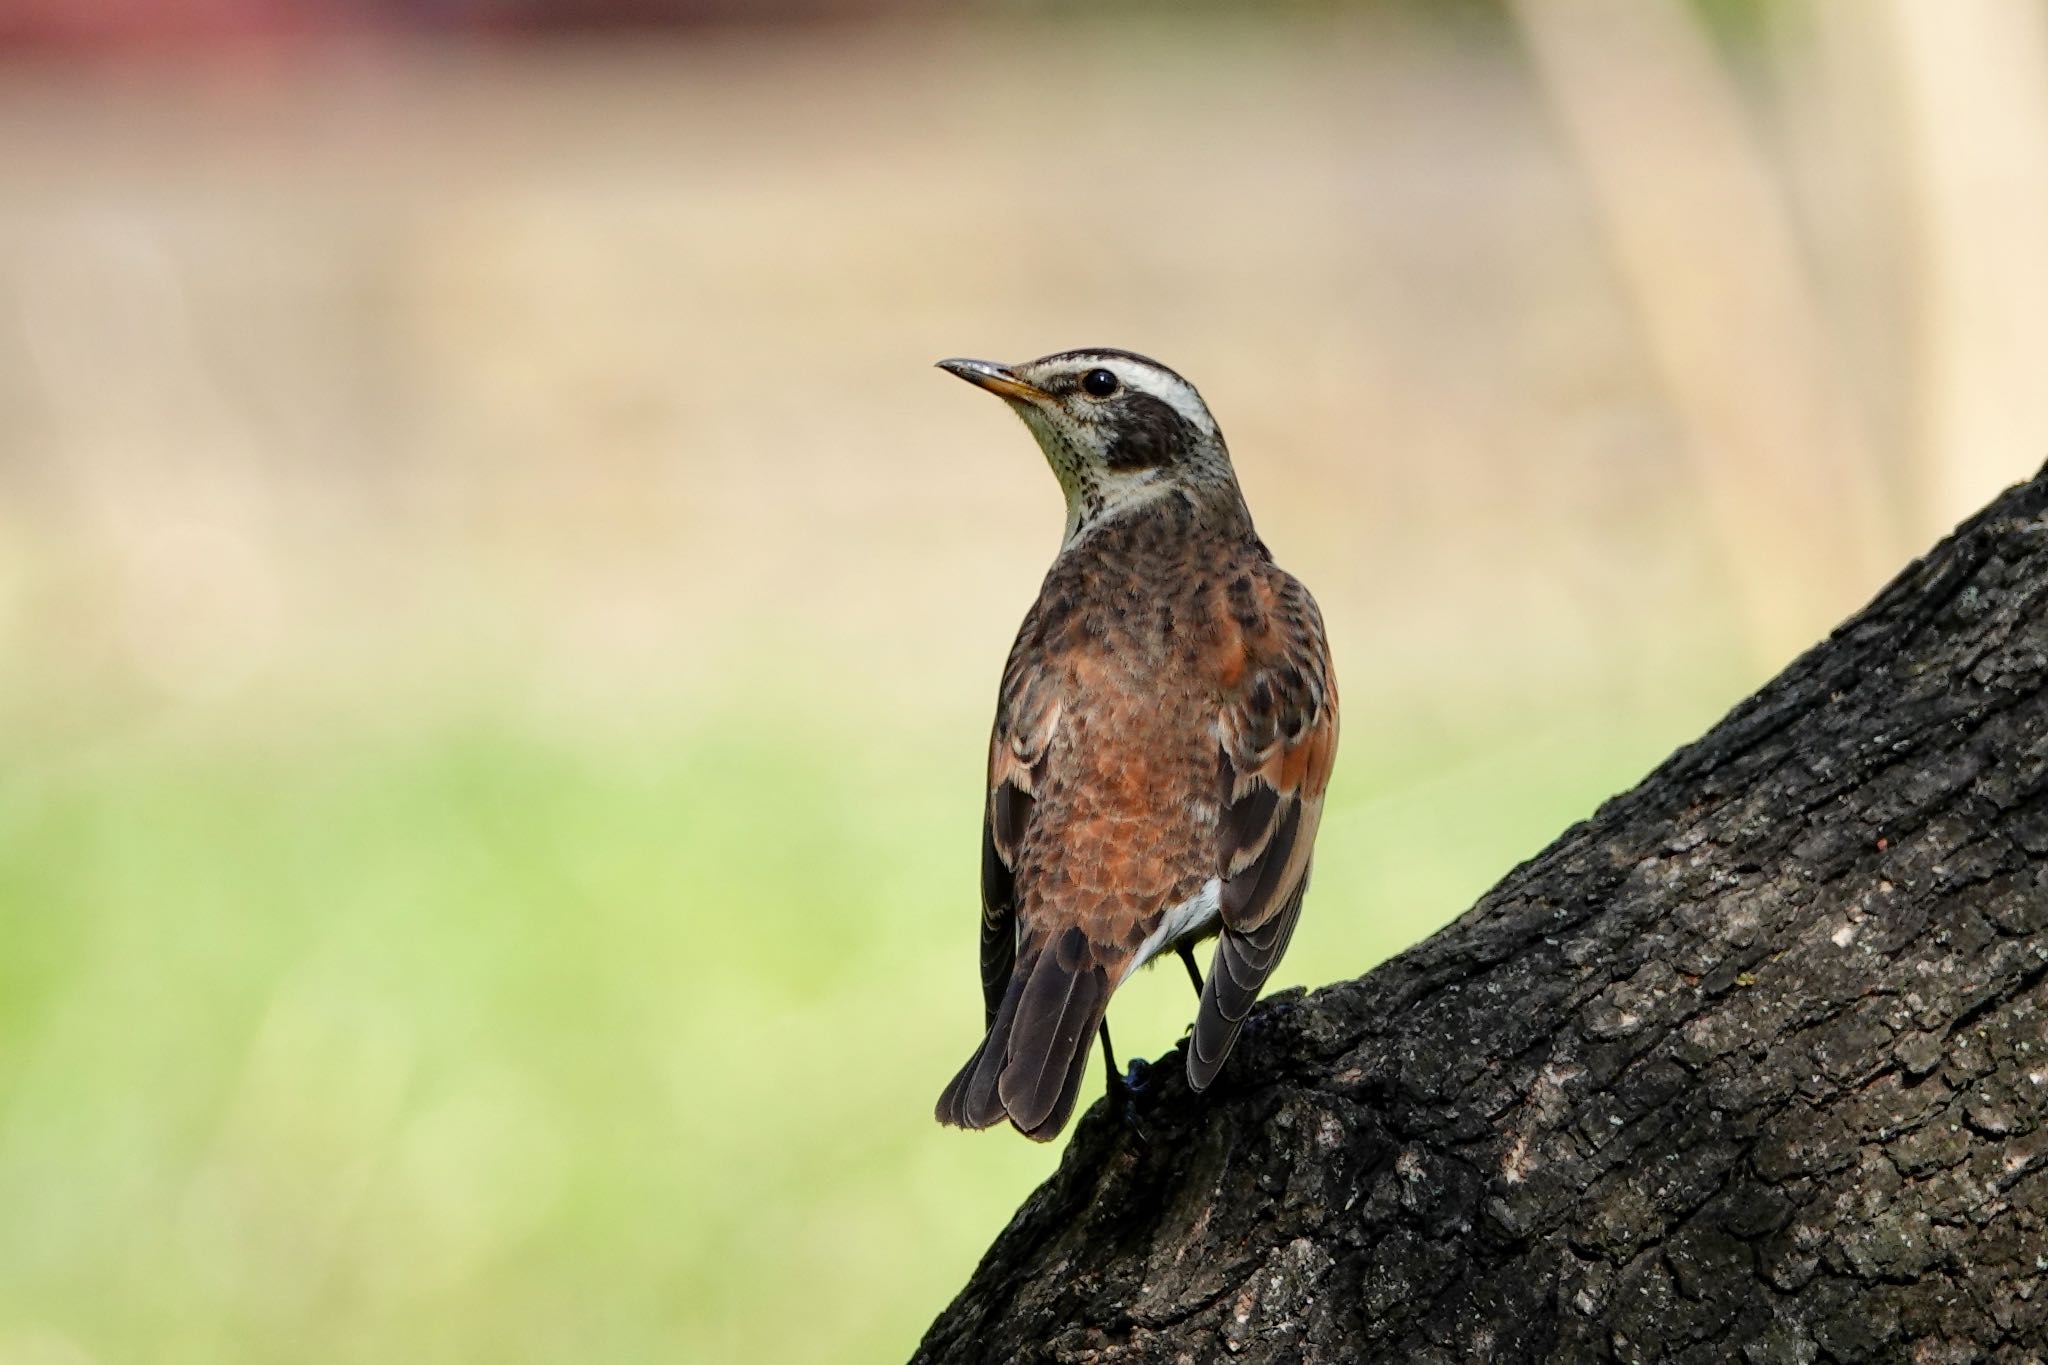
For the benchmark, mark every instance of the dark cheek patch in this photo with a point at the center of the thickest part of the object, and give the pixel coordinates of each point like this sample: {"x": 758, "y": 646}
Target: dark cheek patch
{"x": 1148, "y": 434}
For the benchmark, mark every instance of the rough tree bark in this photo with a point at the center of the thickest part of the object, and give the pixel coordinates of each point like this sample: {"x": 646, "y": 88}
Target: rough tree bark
{"x": 1750, "y": 1066}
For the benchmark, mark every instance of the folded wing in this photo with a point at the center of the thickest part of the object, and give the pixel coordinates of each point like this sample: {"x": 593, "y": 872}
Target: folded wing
{"x": 1277, "y": 739}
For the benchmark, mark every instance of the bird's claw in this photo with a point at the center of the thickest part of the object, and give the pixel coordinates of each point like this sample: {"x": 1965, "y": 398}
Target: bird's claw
{"x": 1129, "y": 1089}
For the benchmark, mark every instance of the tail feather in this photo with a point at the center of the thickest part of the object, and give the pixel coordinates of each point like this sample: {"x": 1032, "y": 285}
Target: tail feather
{"x": 1030, "y": 1066}
{"x": 1064, "y": 1000}
{"x": 1062, "y": 1109}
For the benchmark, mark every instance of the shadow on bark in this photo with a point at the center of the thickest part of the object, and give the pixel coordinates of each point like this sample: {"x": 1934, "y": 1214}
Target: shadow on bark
{"x": 1752, "y": 1065}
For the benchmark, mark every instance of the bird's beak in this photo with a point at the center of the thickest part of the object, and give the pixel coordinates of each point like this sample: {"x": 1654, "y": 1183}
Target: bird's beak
{"x": 1000, "y": 380}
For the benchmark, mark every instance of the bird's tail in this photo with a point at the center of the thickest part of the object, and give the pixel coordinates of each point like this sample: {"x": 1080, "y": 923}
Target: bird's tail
{"x": 1029, "y": 1067}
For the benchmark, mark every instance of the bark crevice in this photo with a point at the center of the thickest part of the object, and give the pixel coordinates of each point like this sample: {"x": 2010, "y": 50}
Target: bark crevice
{"x": 1750, "y": 1065}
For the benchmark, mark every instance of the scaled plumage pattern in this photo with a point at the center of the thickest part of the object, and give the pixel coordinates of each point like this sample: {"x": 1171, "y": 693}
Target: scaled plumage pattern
{"x": 1163, "y": 737}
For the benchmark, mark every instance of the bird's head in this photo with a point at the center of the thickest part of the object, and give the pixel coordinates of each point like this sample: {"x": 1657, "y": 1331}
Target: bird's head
{"x": 1117, "y": 429}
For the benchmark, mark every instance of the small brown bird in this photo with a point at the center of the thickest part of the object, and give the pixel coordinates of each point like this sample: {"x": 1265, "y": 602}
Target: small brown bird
{"x": 1164, "y": 733}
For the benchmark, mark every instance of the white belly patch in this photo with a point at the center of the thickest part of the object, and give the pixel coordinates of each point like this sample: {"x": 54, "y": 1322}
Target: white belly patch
{"x": 1190, "y": 917}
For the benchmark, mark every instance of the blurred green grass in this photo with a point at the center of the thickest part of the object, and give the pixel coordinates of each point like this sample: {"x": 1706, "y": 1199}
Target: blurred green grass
{"x": 464, "y": 1035}
{"x": 489, "y": 766}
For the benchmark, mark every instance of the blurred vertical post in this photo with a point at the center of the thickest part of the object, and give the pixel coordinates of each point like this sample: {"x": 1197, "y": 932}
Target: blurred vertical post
{"x": 1973, "y": 103}
{"x": 1705, "y": 248}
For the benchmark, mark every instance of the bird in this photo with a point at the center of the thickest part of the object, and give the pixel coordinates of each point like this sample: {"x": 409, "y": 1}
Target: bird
{"x": 1164, "y": 735}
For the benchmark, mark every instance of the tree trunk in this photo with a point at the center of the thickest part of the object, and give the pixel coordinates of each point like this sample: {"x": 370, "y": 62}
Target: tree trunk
{"x": 1750, "y": 1066}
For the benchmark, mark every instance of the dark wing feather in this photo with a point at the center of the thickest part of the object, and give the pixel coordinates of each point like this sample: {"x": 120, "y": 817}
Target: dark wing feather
{"x": 1236, "y": 974}
{"x": 1027, "y": 713}
{"x": 1041, "y": 1001}
{"x": 970, "y": 1099}
{"x": 1043, "y": 1013}
{"x": 1278, "y": 739}
{"x": 1001, "y": 827}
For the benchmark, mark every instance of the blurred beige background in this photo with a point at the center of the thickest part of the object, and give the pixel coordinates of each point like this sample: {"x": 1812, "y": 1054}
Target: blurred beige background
{"x": 499, "y": 614}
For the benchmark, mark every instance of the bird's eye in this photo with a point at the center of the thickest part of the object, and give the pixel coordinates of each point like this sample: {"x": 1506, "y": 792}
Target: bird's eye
{"x": 1098, "y": 383}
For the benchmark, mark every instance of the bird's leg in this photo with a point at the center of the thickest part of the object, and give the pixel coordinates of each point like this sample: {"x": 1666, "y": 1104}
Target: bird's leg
{"x": 1187, "y": 957}
{"x": 1118, "y": 1091}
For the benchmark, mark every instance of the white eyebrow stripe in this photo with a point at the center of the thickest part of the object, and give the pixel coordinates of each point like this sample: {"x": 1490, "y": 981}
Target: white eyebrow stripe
{"x": 1175, "y": 392}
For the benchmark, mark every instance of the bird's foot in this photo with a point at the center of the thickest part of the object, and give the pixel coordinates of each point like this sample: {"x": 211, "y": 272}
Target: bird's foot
{"x": 1130, "y": 1090}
